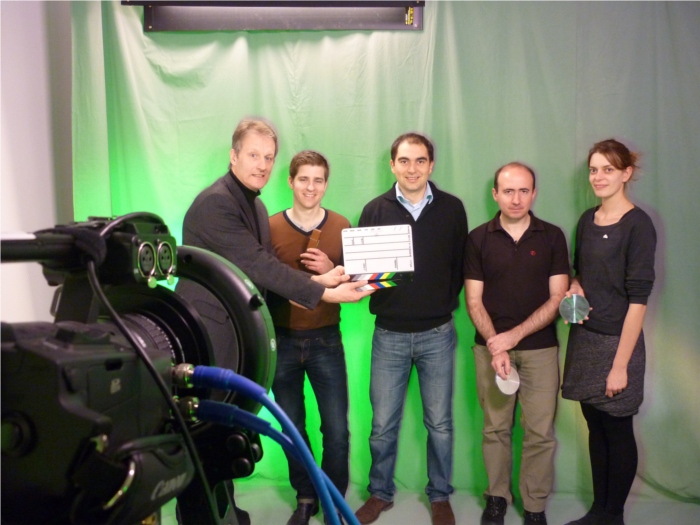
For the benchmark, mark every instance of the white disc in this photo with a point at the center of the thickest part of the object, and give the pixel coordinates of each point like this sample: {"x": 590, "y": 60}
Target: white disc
{"x": 510, "y": 385}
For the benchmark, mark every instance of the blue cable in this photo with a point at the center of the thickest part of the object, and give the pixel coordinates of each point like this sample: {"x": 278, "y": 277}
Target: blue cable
{"x": 231, "y": 415}
{"x": 223, "y": 379}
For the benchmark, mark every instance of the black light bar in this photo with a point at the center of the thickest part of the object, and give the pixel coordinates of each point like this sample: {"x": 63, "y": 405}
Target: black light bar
{"x": 281, "y": 15}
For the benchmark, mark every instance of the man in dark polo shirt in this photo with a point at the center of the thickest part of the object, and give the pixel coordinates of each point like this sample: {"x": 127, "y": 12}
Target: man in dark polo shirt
{"x": 516, "y": 273}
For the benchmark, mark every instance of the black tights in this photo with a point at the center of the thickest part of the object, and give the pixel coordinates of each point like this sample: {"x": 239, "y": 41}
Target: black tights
{"x": 613, "y": 451}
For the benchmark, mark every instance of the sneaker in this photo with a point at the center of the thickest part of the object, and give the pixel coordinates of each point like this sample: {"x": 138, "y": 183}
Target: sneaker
{"x": 442, "y": 513}
{"x": 495, "y": 511}
{"x": 370, "y": 511}
{"x": 535, "y": 518}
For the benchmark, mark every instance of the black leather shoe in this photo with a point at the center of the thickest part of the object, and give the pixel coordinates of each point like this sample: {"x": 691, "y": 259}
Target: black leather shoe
{"x": 589, "y": 519}
{"x": 611, "y": 519}
{"x": 592, "y": 517}
{"x": 303, "y": 513}
{"x": 495, "y": 511}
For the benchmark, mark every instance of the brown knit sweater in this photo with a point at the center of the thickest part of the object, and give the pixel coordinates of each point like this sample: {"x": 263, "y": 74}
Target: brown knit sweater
{"x": 289, "y": 242}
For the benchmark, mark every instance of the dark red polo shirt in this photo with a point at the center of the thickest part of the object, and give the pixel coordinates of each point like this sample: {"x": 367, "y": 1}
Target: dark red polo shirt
{"x": 516, "y": 275}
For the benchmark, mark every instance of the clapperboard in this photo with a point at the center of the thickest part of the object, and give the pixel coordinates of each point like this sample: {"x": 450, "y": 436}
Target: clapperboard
{"x": 382, "y": 255}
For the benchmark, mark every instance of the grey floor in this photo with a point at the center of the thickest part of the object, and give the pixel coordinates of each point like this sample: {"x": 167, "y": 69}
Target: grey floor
{"x": 270, "y": 503}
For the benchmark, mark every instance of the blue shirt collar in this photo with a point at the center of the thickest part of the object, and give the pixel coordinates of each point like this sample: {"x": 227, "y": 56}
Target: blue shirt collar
{"x": 427, "y": 197}
{"x": 415, "y": 209}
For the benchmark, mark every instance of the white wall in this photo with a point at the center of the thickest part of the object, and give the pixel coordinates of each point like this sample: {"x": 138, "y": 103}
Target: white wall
{"x": 35, "y": 141}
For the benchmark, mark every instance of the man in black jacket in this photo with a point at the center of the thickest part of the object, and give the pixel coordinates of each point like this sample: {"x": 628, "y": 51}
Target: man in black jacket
{"x": 414, "y": 326}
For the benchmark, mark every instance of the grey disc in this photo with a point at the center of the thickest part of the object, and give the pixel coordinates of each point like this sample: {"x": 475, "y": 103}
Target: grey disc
{"x": 574, "y": 308}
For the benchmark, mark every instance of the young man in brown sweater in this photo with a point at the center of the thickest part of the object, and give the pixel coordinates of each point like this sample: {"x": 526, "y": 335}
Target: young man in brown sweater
{"x": 308, "y": 237}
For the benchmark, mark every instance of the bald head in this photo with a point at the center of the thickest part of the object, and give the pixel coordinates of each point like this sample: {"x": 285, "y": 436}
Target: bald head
{"x": 513, "y": 165}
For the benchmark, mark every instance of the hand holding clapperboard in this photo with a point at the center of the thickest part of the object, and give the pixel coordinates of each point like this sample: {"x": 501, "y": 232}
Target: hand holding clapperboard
{"x": 382, "y": 255}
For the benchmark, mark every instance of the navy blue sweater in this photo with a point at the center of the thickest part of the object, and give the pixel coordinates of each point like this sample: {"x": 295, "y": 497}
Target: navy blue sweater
{"x": 439, "y": 236}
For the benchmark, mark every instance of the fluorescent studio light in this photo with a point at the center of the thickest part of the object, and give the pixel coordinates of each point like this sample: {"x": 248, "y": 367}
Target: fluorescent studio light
{"x": 281, "y": 15}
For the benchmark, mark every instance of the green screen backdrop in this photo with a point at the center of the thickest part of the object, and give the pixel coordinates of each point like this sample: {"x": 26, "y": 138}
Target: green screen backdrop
{"x": 490, "y": 82}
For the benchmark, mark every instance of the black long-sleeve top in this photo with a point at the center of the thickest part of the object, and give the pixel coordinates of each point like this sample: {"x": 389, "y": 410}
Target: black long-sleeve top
{"x": 615, "y": 266}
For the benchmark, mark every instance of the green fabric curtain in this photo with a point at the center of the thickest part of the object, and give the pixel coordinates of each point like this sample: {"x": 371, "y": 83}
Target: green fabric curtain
{"x": 490, "y": 82}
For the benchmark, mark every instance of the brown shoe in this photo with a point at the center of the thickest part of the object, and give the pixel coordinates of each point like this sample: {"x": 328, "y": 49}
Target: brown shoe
{"x": 442, "y": 513}
{"x": 370, "y": 511}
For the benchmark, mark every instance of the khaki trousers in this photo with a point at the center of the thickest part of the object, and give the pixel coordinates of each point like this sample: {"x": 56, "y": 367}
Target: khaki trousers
{"x": 539, "y": 386}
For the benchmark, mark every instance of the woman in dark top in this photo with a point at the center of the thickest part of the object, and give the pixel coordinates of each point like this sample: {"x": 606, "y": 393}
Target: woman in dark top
{"x": 604, "y": 369}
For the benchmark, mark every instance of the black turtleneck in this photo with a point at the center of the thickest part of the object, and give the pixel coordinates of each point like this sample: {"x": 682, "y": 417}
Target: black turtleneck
{"x": 250, "y": 197}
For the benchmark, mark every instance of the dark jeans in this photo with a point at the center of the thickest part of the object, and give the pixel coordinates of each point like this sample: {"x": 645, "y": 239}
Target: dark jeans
{"x": 323, "y": 360}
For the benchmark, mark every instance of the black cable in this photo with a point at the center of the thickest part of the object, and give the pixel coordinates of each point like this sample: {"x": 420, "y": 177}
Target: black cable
{"x": 189, "y": 443}
{"x": 97, "y": 288}
{"x": 123, "y": 218}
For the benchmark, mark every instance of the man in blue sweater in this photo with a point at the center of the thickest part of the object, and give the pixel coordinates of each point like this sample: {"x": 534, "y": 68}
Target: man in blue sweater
{"x": 414, "y": 326}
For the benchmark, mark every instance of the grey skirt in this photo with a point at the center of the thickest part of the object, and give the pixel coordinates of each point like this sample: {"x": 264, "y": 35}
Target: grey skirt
{"x": 589, "y": 358}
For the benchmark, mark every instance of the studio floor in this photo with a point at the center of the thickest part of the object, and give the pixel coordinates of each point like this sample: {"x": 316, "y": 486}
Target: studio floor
{"x": 271, "y": 503}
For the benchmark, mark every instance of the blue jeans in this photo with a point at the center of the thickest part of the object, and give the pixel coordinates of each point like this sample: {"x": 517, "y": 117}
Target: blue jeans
{"x": 323, "y": 360}
{"x": 393, "y": 356}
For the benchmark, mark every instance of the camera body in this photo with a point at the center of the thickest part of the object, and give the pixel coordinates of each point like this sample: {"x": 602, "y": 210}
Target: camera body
{"x": 87, "y": 436}
{"x": 69, "y": 391}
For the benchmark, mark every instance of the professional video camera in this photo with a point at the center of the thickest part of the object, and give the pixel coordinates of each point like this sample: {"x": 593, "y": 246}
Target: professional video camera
{"x": 92, "y": 431}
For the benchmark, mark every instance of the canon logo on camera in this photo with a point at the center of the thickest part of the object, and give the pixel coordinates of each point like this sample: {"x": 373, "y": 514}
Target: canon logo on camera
{"x": 164, "y": 487}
